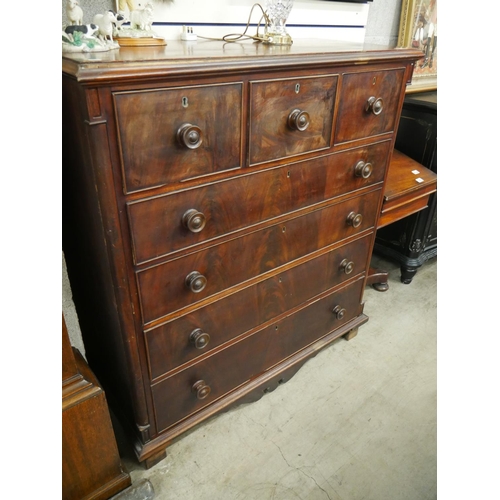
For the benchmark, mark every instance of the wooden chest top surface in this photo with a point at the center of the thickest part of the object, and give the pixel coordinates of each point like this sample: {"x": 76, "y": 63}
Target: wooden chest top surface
{"x": 210, "y": 56}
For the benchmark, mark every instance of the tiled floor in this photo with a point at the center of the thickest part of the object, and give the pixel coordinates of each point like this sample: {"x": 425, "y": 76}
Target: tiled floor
{"x": 357, "y": 422}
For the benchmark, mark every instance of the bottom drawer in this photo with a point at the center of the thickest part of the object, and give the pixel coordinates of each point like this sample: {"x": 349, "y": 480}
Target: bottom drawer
{"x": 197, "y": 386}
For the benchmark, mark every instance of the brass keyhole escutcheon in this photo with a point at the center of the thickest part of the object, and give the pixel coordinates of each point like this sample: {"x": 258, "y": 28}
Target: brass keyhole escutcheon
{"x": 297, "y": 88}
{"x": 185, "y": 102}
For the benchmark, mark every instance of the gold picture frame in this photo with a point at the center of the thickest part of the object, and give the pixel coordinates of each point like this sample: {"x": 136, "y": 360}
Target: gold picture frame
{"x": 418, "y": 29}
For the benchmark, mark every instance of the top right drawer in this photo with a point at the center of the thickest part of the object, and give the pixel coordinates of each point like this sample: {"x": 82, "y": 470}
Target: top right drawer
{"x": 368, "y": 104}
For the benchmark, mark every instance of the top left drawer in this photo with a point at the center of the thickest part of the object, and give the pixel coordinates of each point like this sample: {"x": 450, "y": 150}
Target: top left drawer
{"x": 171, "y": 135}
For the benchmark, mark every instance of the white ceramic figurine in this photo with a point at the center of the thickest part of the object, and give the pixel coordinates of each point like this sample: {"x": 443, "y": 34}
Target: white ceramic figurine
{"x": 105, "y": 23}
{"x": 142, "y": 19}
{"x": 74, "y": 12}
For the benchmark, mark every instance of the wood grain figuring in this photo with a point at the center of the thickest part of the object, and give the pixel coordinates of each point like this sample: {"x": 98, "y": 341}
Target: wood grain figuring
{"x": 162, "y": 288}
{"x": 353, "y": 120}
{"x": 402, "y": 178}
{"x": 220, "y": 208}
{"x": 409, "y": 185}
{"x": 156, "y": 223}
{"x": 226, "y": 319}
{"x": 239, "y": 363}
{"x": 148, "y": 122}
{"x": 271, "y": 104}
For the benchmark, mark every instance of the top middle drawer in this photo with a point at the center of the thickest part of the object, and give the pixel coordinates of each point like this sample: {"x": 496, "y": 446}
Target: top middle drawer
{"x": 291, "y": 116}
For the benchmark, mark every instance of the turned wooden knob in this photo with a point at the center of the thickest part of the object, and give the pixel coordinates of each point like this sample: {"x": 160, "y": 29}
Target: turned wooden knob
{"x": 193, "y": 220}
{"x": 363, "y": 169}
{"x": 354, "y": 219}
{"x": 347, "y": 266}
{"x": 199, "y": 338}
{"x": 195, "y": 281}
{"x": 298, "y": 120}
{"x": 201, "y": 389}
{"x": 339, "y": 312}
{"x": 374, "y": 105}
{"x": 189, "y": 136}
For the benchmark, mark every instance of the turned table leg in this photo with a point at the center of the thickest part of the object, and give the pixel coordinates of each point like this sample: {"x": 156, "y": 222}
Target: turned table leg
{"x": 408, "y": 273}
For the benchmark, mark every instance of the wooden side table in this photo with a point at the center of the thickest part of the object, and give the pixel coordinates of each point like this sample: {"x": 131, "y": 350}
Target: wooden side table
{"x": 91, "y": 466}
{"x": 412, "y": 241}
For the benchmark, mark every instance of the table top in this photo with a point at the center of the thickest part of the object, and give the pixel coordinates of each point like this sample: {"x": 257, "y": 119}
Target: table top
{"x": 206, "y": 56}
{"x": 406, "y": 175}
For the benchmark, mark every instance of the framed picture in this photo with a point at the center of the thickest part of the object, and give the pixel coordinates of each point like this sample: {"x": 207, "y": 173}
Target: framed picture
{"x": 418, "y": 29}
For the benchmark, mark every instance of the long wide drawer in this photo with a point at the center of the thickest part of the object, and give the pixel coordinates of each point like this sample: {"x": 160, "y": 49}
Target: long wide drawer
{"x": 199, "y": 385}
{"x": 164, "y": 224}
{"x": 181, "y": 282}
{"x": 198, "y": 333}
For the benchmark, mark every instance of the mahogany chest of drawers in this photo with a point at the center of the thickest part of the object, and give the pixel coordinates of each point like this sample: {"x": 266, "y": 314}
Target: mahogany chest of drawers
{"x": 220, "y": 205}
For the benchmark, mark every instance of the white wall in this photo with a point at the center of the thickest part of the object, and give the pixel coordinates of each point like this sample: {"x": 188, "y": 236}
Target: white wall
{"x": 69, "y": 311}
{"x": 308, "y": 18}
{"x": 383, "y": 22}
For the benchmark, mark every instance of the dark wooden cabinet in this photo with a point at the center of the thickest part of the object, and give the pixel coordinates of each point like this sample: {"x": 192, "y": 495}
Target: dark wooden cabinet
{"x": 413, "y": 240}
{"x": 220, "y": 206}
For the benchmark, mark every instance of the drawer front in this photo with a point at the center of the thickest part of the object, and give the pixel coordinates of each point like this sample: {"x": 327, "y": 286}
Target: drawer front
{"x": 368, "y": 104}
{"x": 164, "y": 224}
{"x": 288, "y": 117}
{"x": 197, "y": 333}
{"x": 160, "y": 132}
{"x": 164, "y": 289}
{"x": 252, "y": 356}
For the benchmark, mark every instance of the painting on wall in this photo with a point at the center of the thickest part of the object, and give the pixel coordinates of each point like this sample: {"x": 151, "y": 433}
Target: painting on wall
{"x": 418, "y": 29}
